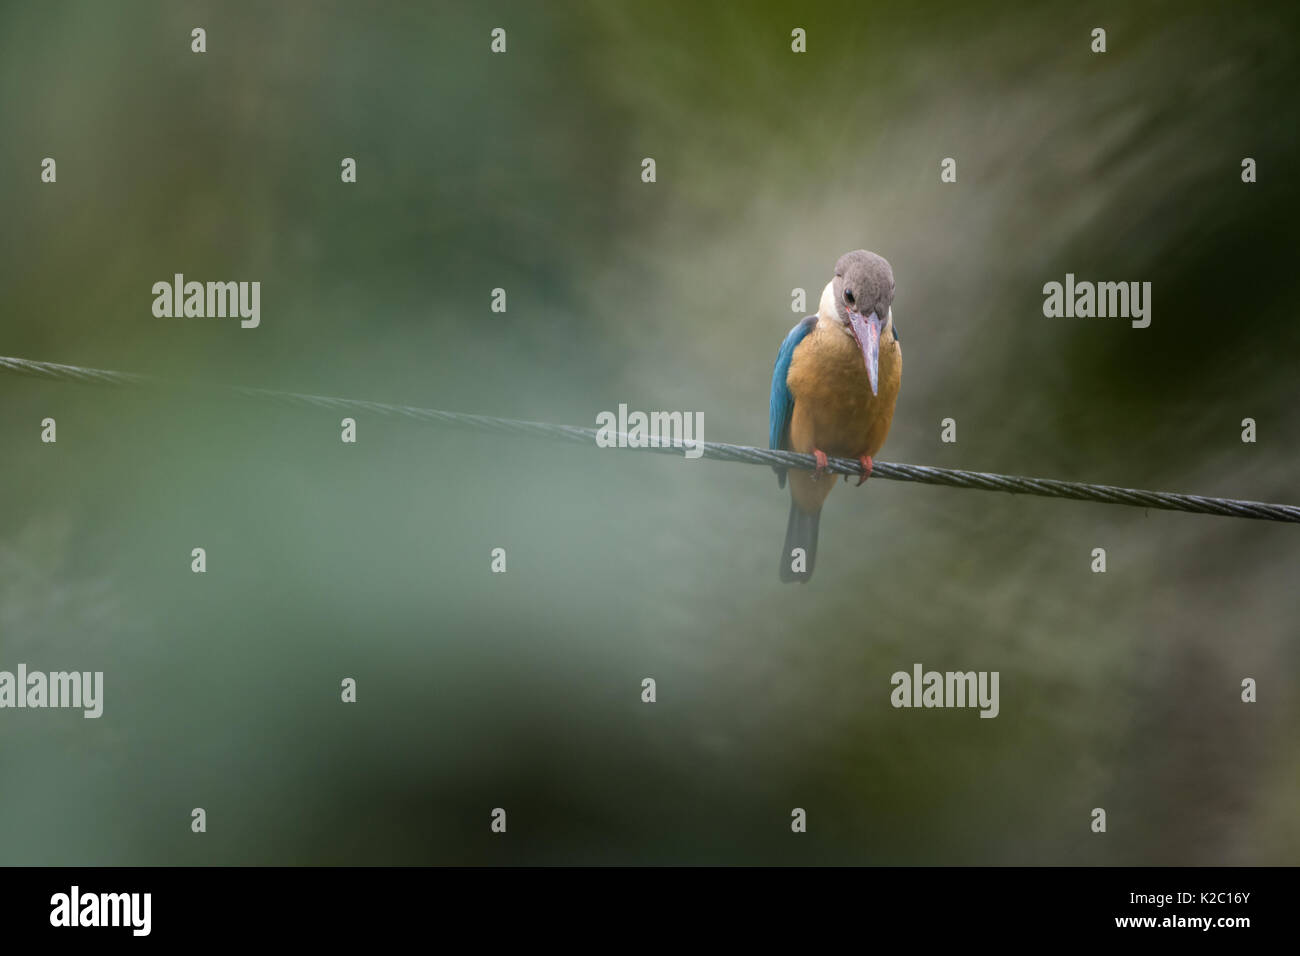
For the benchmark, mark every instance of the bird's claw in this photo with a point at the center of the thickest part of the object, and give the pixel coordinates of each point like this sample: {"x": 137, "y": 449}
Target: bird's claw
{"x": 821, "y": 463}
{"x": 865, "y": 461}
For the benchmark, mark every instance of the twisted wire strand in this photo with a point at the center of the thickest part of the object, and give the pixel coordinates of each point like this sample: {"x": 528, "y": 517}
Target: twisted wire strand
{"x": 745, "y": 454}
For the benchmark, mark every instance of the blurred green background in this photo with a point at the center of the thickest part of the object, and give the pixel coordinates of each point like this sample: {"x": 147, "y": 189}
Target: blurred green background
{"x": 1118, "y": 690}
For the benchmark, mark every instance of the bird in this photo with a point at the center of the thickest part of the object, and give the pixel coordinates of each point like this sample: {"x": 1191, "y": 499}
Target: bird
{"x": 834, "y": 386}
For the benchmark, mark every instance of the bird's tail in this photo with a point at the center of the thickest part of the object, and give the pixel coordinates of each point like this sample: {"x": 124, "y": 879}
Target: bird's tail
{"x": 801, "y": 533}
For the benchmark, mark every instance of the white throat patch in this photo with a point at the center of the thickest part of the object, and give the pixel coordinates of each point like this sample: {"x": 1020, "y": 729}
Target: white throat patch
{"x": 826, "y": 309}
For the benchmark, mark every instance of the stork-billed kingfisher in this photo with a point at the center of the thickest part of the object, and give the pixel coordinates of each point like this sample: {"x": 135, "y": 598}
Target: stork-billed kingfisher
{"x": 833, "y": 391}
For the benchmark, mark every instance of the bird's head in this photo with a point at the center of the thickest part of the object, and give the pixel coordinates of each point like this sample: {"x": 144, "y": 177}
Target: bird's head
{"x": 863, "y": 291}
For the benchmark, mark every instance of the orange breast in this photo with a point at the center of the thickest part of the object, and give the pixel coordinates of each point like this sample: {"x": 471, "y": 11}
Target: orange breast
{"x": 834, "y": 410}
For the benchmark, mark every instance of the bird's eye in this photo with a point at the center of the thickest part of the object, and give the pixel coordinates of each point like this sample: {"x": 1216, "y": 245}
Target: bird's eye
{"x": 848, "y": 296}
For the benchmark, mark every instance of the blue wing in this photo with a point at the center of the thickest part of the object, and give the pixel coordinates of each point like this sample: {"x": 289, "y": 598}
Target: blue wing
{"x": 782, "y": 402}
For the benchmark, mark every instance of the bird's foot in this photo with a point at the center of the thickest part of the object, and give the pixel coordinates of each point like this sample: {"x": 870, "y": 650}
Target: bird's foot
{"x": 865, "y": 461}
{"x": 821, "y": 463}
